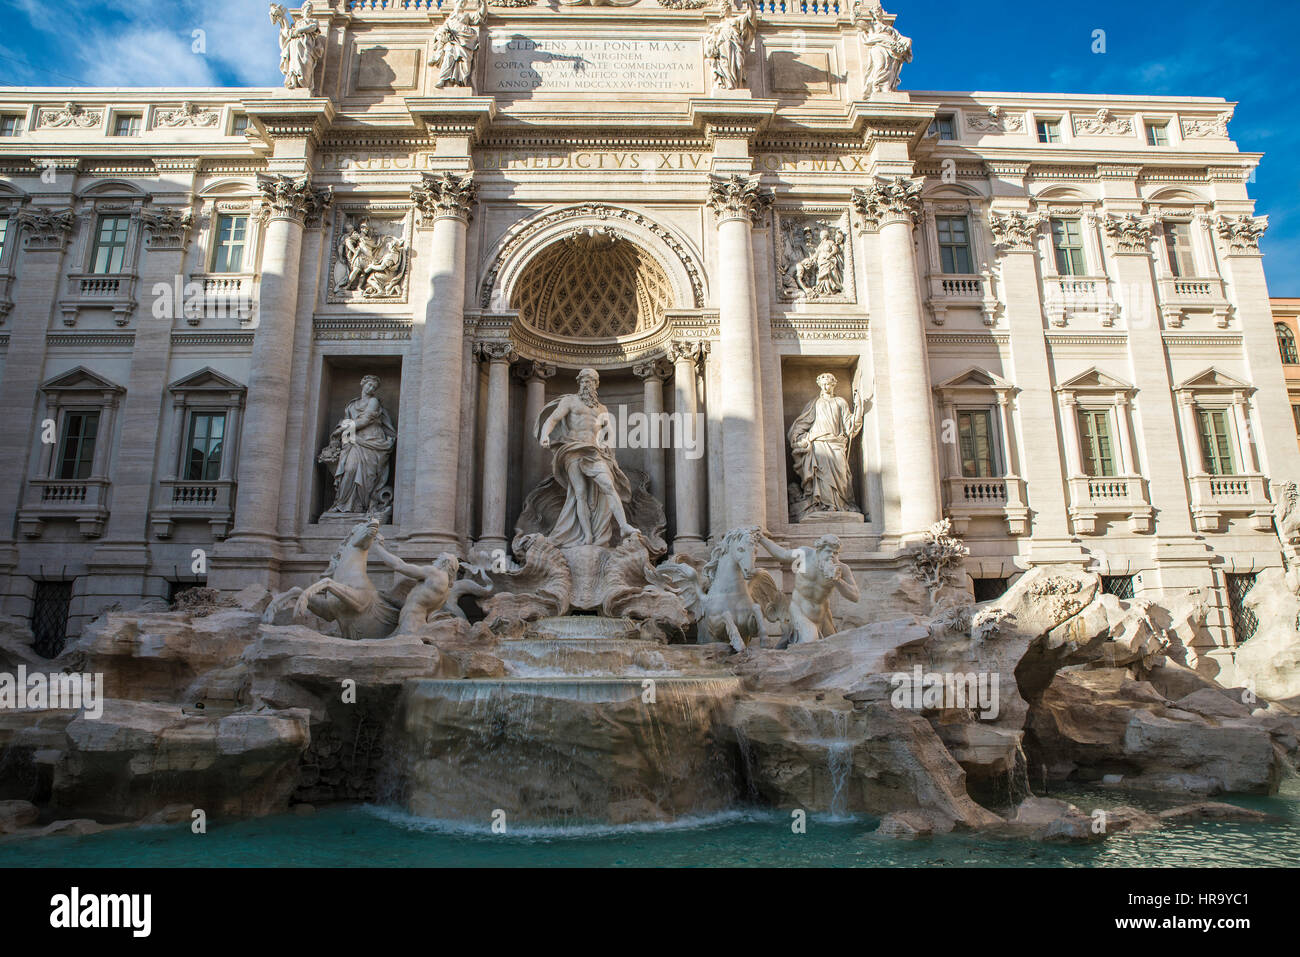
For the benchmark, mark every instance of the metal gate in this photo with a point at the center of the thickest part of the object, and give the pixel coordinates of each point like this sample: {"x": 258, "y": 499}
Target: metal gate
{"x": 50, "y": 617}
{"x": 1244, "y": 621}
{"x": 1121, "y": 586}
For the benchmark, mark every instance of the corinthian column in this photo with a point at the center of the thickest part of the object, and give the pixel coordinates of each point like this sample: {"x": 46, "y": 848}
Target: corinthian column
{"x": 688, "y": 472}
{"x": 445, "y": 200}
{"x": 287, "y": 204}
{"x": 893, "y": 206}
{"x": 738, "y": 202}
{"x": 496, "y": 443}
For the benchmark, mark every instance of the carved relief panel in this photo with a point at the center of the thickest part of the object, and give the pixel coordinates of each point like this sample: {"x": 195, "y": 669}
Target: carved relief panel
{"x": 814, "y": 255}
{"x": 370, "y": 254}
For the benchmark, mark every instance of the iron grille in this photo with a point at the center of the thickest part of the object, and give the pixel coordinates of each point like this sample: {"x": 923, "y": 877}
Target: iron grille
{"x": 990, "y": 589}
{"x": 1121, "y": 586}
{"x": 50, "y": 617}
{"x": 1244, "y": 621}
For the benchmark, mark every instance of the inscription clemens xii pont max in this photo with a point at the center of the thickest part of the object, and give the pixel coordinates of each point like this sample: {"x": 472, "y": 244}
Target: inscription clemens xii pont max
{"x": 576, "y": 64}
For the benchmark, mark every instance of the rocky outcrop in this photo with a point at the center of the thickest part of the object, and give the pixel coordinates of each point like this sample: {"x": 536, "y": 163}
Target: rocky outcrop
{"x": 1090, "y": 724}
{"x": 1270, "y": 661}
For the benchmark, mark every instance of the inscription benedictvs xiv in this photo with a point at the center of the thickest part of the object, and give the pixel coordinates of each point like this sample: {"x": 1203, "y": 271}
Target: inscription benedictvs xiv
{"x": 593, "y": 64}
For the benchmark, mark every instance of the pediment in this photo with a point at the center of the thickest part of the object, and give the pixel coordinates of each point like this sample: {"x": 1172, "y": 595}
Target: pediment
{"x": 1094, "y": 380}
{"x": 80, "y": 379}
{"x": 206, "y": 379}
{"x": 975, "y": 378}
{"x": 1212, "y": 380}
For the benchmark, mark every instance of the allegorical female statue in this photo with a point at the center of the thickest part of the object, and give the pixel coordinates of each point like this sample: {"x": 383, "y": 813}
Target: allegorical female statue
{"x": 301, "y": 46}
{"x": 727, "y": 44}
{"x": 455, "y": 43}
{"x": 886, "y": 49}
{"x": 360, "y": 449}
{"x": 819, "y": 444}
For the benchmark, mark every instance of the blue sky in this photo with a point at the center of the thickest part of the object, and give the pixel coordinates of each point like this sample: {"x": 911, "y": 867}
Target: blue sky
{"x": 1193, "y": 48}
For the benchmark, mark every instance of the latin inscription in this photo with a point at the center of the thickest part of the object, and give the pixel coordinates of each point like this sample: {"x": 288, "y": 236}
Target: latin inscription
{"x": 587, "y": 65}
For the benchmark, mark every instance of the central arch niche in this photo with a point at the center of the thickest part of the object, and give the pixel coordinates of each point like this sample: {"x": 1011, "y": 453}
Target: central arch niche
{"x": 593, "y": 285}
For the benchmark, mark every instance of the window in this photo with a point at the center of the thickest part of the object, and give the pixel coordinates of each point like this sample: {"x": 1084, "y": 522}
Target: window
{"x": 944, "y": 127}
{"x": 232, "y": 235}
{"x": 11, "y": 125}
{"x": 1216, "y": 442}
{"x": 4, "y": 234}
{"x": 989, "y": 589}
{"x": 1178, "y": 243}
{"x": 1295, "y": 414}
{"x": 1094, "y": 436}
{"x": 239, "y": 126}
{"x": 954, "y": 244}
{"x": 1121, "y": 586}
{"x": 110, "y": 244}
{"x": 126, "y": 124}
{"x": 203, "y": 451}
{"x": 1244, "y": 621}
{"x": 50, "y": 604}
{"x": 1067, "y": 240}
{"x": 1157, "y": 134}
{"x": 77, "y": 448}
{"x": 1286, "y": 343}
{"x": 1049, "y": 131}
{"x": 975, "y": 441}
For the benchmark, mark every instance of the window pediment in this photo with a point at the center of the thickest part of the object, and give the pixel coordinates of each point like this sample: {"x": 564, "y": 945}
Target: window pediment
{"x": 1094, "y": 380}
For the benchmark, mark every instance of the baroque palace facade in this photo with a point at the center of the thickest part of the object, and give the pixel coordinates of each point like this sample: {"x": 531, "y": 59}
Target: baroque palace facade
{"x": 234, "y": 321}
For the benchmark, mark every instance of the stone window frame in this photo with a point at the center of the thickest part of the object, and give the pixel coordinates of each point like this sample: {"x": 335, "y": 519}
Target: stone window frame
{"x": 77, "y": 390}
{"x": 211, "y": 500}
{"x": 976, "y": 389}
{"x": 11, "y": 204}
{"x": 1188, "y": 213}
{"x": 84, "y": 286}
{"x": 1060, "y": 118}
{"x": 233, "y": 197}
{"x": 959, "y": 289}
{"x": 1213, "y": 390}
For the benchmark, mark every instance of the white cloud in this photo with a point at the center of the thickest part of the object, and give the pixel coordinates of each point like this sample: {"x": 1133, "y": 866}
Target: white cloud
{"x": 151, "y": 42}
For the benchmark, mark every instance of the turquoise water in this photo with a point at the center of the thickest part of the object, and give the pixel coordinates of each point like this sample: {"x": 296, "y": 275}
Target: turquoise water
{"x": 365, "y": 836}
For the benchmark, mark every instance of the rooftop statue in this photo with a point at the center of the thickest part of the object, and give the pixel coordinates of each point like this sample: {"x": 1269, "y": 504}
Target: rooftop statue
{"x": 728, "y": 42}
{"x": 886, "y": 49}
{"x": 455, "y": 43}
{"x": 301, "y": 46}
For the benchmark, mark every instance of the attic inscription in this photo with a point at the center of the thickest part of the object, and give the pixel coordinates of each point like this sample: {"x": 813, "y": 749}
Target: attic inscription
{"x": 585, "y": 64}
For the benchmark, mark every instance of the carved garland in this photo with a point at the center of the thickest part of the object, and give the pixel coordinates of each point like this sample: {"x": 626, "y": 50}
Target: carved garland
{"x": 597, "y": 211}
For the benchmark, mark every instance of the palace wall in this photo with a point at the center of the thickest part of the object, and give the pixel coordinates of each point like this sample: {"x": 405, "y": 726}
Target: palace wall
{"x": 595, "y": 203}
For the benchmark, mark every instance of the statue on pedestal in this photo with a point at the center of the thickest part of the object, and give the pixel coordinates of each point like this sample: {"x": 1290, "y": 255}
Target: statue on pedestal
{"x": 585, "y": 468}
{"x": 820, "y": 439}
{"x": 455, "y": 43}
{"x": 360, "y": 449}
{"x": 818, "y": 572}
{"x": 301, "y": 47}
{"x": 886, "y": 49}
{"x": 727, "y": 44}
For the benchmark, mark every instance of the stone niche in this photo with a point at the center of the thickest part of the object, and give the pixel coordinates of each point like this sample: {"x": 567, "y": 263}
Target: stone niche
{"x": 340, "y": 384}
{"x": 798, "y": 388}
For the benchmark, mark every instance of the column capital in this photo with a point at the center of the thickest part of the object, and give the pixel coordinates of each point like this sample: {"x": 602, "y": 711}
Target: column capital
{"x": 688, "y": 350}
{"x": 46, "y": 228}
{"x": 445, "y": 196}
{"x": 655, "y": 368}
{"x": 493, "y": 352}
{"x": 738, "y": 197}
{"x": 292, "y": 198}
{"x": 168, "y": 226}
{"x": 1240, "y": 234}
{"x": 1014, "y": 231}
{"x": 891, "y": 200}
{"x": 529, "y": 370}
{"x": 1128, "y": 233}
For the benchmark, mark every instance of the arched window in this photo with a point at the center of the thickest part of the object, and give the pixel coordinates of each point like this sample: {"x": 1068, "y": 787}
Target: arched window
{"x": 1286, "y": 344}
